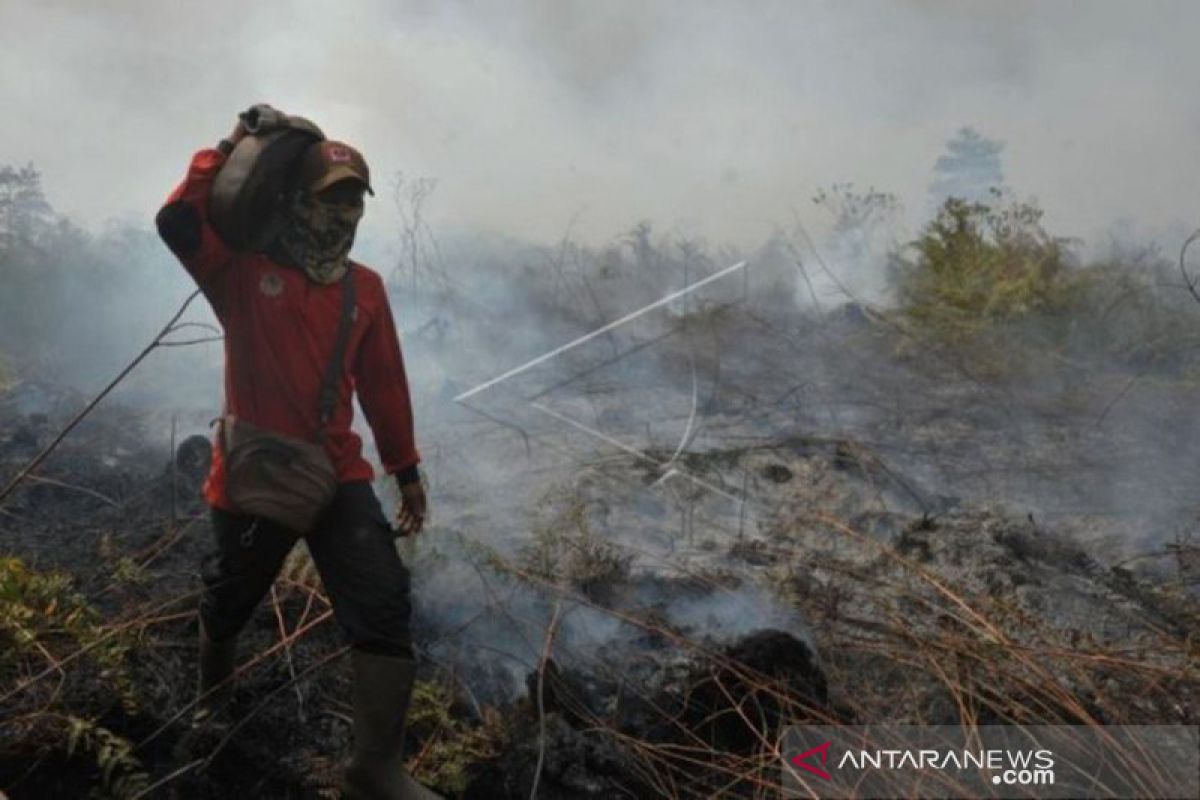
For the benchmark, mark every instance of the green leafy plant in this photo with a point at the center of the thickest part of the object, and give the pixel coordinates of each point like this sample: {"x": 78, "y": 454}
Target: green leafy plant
{"x": 451, "y": 746}
{"x": 121, "y": 773}
{"x": 40, "y": 613}
{"x": 55, "y": 652}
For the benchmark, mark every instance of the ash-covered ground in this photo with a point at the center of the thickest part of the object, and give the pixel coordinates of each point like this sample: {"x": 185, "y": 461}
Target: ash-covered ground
{"x": 652, "y": 545}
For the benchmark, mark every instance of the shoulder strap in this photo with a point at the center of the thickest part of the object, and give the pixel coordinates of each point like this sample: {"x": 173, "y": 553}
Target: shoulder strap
{"x": 330, "y": 383}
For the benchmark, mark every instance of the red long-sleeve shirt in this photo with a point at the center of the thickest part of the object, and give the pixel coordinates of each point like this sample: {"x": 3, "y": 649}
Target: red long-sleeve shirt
{"x": 280, "y": 329}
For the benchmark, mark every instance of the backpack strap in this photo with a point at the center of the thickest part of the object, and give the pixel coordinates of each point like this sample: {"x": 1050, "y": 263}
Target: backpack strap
{"x": 333, "y": 372}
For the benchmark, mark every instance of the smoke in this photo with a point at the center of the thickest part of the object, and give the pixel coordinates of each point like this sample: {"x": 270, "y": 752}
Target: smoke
{"x": 709, "y": 119}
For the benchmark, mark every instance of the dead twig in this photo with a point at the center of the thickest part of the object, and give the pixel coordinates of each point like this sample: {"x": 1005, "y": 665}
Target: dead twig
{"x": 156, "y": 342}
{"x": 1187, "y": 279}
{"x": 287, "y": 651}
{"x": 541, "y": 698}
{"x": 82, "y": 489}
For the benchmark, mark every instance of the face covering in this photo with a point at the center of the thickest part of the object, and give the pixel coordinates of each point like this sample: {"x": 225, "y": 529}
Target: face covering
{"x": 317, "y": 236}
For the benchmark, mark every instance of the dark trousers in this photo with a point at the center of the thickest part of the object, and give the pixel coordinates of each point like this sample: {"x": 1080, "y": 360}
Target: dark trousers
{"x": 354, "y": 552}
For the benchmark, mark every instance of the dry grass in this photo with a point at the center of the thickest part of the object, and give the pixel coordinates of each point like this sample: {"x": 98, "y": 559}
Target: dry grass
{"x": 902, "y": 643}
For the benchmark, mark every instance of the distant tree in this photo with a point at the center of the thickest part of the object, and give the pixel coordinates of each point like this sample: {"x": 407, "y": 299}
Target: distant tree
{"x": 969, "y": 169}
{"x": 24, "y": 212}
{"x": 64, "y": 286}
{"x": 858, "y": 214}
{"x": 864, "y": 225}
{"x": 639, "y": 238}
{"x": 420, "y": 255}
{"x": 27, "y": 228}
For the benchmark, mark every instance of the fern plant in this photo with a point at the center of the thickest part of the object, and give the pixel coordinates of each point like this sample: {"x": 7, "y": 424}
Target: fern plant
{"x": 42, "y": 618}
{"x": 55, "y": 654}
{"x": 121, "y": 773}
{"x": 451, "y": 746}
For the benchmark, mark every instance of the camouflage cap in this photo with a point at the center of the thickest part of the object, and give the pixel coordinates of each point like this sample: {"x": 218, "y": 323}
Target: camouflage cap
{"x": 326, "y": 162}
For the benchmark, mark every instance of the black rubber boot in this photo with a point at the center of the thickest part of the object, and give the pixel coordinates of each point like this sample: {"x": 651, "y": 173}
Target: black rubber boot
{"x": 215, "y": 688}
{"x": 382, "y": 691}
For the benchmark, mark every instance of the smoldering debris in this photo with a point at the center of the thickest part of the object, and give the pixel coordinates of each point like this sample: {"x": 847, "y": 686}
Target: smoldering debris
{"x": 581, "y": 725}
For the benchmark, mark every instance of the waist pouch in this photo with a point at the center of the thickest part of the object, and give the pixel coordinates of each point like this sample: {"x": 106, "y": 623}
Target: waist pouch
{"x": 284, "y": 478}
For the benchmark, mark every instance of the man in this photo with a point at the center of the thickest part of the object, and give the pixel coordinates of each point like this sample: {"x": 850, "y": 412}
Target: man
{"x": 281, "y": 310}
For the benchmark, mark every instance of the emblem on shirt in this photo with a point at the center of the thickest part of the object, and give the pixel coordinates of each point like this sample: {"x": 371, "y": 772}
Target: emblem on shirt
{"x": 271, "y": 284}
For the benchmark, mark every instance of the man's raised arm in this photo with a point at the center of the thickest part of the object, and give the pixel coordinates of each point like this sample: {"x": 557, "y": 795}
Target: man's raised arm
{"x": 183, "y": 220}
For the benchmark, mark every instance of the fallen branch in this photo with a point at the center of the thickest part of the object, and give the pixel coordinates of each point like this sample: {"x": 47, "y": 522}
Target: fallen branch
{"x": 83, "y": 489}
{"x": 156, "y": 342}
{"x": 541, "y": 699}
{"x": 1187, "y": 279}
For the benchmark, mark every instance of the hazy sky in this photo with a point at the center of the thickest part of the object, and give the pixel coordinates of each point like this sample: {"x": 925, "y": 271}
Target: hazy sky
{"x": 712, "y": 118}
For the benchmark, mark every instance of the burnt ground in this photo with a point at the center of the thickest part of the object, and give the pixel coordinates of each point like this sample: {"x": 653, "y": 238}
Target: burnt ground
{"x": 608, "y": 622}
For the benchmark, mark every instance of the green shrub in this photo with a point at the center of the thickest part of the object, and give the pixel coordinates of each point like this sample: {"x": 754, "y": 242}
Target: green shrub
{"x": 976, "y": 264}
{"x": 987, "y": 280}
{"x": 42, "y": 618}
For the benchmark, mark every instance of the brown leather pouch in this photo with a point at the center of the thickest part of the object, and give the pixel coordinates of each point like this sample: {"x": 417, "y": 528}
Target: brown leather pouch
{"x": 281, "y": 478}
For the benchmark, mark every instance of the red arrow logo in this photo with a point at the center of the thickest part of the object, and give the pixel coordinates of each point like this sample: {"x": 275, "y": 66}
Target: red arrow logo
{"x": 823, "y": 751}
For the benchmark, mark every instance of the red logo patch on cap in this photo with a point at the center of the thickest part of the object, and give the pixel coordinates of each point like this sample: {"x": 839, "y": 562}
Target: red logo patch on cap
{"x": 339, "y": 155}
